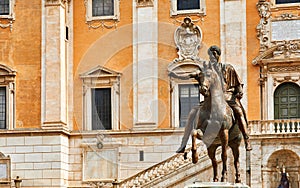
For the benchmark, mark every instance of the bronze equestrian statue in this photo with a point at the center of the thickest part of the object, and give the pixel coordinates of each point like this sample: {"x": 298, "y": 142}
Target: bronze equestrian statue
{"x": 221, "y": 117}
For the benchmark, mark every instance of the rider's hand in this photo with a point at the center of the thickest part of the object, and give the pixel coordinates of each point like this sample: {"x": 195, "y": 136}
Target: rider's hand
{"x": 239, "y": 95}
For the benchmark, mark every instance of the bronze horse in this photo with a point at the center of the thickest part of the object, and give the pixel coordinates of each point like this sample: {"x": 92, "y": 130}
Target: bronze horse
{"x": 216, "y": 125}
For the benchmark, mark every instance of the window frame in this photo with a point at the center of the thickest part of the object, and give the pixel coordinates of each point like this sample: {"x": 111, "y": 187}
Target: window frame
{"x": 175, "y": 100}
{"x": 92, "y": 105}
{"x": 101, "y": 77}
{"x": 179, "y": 98}
{"x": 284, "y": 5}
{"x": 174, "y": 11}
{"x": 89, "y": 12}
{"x": 7, "y": 77}
{"x": 11, "y": 14}
{"x": 277, "y": 105}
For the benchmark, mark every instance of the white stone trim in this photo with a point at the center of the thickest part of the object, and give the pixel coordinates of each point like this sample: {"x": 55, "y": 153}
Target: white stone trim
{"x": 7, "y": 80}
{"x": 175, "y": 100}
{"x": 273, "y": 3}
{"x": 274, "y": 81}
{"x": 175, "y": 12}
{"x": 90, "y": 17}
{"x": 11, "y": 14}
{"x": 101, "y": 77}
{"x": 145, "y": 65}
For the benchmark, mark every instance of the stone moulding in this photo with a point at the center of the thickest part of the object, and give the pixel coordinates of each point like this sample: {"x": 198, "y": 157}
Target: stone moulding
{"x": 144, "y": 3}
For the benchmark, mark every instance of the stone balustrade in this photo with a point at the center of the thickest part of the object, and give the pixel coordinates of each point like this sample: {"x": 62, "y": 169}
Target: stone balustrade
{"x": 261, "y": 127}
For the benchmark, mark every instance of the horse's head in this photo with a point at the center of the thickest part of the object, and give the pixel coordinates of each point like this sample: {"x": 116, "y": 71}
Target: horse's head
{"x": 207, "y": 78}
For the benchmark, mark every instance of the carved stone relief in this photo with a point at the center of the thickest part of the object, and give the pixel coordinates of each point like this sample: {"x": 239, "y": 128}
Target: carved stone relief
{"x": 144, "y": 3}
{"x": 263, "y": 28}
{"x": 188, "y": 39}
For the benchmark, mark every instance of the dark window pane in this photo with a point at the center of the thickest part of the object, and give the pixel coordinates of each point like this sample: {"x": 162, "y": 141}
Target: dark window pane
{"x": 2, "y": 108}
{"x": 287, "y": 1}
{"x": 103, "y": 8}
{"x": 188, "y": 4}
{"x": 101, "y": 109}
{"x": 4, "y": 7}
{"x": 286, "y": 101}
{"x": 188, "y": 98}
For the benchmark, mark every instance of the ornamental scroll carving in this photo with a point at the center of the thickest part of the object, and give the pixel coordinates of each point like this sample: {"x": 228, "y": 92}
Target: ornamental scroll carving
{"x": 263, "y": 28}
{"x": 187, "y": 38}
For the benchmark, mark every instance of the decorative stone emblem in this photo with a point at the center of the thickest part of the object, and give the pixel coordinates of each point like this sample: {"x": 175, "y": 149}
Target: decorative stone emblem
{"x": 188, "y": 38}
{"x": 144, "y": 3}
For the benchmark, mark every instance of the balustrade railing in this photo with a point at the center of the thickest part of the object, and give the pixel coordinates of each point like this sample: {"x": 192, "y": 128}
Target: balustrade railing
{"x": 286, "y": 126}
{"x": 161, "y": 169}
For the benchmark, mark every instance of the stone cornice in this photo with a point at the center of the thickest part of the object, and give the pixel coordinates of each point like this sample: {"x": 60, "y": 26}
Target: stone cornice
{"x": 56, "y": 2}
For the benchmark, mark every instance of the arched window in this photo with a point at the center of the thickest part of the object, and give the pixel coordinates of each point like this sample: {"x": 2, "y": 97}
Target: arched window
{"x": 287, "y": 101}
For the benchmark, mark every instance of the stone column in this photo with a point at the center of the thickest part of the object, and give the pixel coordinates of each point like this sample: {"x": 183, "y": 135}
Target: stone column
{"x": 145, "y": 82}
{"x": 54, "y": 79}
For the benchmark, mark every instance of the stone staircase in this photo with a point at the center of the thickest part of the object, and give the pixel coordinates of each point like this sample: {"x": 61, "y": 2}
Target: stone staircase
{"x": 173, "y": 171}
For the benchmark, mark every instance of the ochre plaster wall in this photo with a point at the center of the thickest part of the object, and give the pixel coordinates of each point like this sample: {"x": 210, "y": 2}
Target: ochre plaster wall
{"x": 111, "y": 48}
{"x": 21, "y": 51}
{"x": 253, "y": 71}
{"x": 210, "y": 27}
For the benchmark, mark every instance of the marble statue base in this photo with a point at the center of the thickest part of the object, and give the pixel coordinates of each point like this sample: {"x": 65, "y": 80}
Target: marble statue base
{"x": 216, "y": 185}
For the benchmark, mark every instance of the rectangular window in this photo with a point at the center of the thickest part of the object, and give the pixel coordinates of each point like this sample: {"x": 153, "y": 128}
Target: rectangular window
{"x": 103, "y": 8}
{"x": 4, "y": 7}
{"x": 101, "y": 109}
{"x": 188, "y": 4}
{"x": 287, "y": 1}
{"x": 2, "y": 107}
{"x": 188, "y": 98}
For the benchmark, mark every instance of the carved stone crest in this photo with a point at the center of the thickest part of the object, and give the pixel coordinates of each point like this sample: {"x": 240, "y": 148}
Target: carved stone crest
{"x": 188, "y": 38}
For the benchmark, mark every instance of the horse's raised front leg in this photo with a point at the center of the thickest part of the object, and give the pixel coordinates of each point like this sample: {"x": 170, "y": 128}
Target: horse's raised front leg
{"x": 224, "y": 140}
{"x": 194, "y": 146}
{"x": 211, "y": 150}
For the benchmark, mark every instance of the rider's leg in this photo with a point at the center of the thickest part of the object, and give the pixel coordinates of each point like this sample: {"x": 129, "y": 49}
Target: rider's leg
{"x": 239, "y": 115}
{"x": 188, "y": 129}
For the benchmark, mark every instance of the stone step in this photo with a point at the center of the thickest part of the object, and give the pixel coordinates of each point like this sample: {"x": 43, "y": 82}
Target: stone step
{"x": 216, "y": 185}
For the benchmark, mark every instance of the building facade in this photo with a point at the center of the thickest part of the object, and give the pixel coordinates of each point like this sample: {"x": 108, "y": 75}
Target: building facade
{"x": 86, "y": 100}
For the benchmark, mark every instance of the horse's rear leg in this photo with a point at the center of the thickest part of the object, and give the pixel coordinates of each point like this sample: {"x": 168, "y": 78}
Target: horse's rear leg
{"x": 236, "y": 155}
{"x": 194, "y": 147}
{"x": 224, "y": 140}
{"x": 211, "y": 150}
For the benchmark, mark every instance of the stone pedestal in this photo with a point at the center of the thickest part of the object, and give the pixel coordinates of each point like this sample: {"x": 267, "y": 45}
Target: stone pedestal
{"x": 217, "y": 185}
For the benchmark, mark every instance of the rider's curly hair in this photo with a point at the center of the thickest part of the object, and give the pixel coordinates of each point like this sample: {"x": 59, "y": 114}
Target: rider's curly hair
{"x": 214, "y": 50}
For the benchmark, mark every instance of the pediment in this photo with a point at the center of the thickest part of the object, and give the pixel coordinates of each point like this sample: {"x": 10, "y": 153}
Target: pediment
{"x": 185, "y": 67}
{"x": 6, "y": 71}
{"x": 100, "y": 72}
{"x": 284, "y": 51}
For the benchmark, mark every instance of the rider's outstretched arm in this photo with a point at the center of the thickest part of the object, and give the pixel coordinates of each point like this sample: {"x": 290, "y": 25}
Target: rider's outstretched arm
{"x": 184, "y": 76}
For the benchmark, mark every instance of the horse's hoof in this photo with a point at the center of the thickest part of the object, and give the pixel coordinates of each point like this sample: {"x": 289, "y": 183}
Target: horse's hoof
{"x": 238, "y": 181}
{"x": 216, "y": 179}
{"x": 194, "y": 157}
{"x": 185, "y": 155}
{"x": 223, "y": 179}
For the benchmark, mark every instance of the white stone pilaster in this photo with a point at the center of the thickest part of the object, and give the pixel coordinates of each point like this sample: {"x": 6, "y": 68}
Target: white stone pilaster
{"x": 233, "y": 38}
{"x": 145, "y": 63}
{"x": 54, "y": 79}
